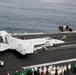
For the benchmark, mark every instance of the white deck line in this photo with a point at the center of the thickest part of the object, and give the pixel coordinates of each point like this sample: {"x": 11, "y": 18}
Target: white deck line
{"x": 68, "y": 45}
{"x": 50, "y": 63}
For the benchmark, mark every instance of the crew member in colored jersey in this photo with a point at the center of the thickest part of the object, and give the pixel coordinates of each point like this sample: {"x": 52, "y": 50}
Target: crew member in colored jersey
{"x": 16, "y": 73}
{"x": 74, "y": 66}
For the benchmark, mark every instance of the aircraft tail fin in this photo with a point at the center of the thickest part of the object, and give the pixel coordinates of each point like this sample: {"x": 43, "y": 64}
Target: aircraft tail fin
{"x": 3, "y": 34}
{"x": 6, "y": 37}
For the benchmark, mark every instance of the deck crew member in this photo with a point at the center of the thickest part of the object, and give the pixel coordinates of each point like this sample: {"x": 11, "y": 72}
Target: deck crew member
{"x": 16, "y": 73}
{"x": 40, "y": 71}
{"x": 74, "y": 66}
{"x": 35, "y": 71}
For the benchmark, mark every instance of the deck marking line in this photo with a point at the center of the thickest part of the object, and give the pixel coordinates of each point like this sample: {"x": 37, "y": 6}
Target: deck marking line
{"x": 68, "y": 45}
{"x": 50, "y": 63}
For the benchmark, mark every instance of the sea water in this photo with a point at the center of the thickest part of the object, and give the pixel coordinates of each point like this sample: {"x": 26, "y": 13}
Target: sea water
{"x": 36, "y": 15}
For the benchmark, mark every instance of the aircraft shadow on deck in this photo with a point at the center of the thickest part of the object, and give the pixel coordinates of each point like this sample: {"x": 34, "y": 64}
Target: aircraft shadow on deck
{"x": 15, "y": 53}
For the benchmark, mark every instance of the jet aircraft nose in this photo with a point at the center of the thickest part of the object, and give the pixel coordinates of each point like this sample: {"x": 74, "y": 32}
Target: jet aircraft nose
{"x": 59, "y": 41}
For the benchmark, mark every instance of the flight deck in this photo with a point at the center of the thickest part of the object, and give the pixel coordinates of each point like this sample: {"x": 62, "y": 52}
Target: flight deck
{"x": 15, "y": 61}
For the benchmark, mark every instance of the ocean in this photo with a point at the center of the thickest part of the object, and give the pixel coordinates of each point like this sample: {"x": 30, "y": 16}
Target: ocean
{"x": 34, "y": 16}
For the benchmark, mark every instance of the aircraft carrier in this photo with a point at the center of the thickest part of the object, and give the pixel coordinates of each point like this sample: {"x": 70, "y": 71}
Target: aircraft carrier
{"x": 15, "y": 61}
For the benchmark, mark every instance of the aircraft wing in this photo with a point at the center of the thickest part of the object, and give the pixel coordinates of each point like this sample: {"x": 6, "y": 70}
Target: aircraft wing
{"x": 4, "y": 46}
{"x": 25, "y": 48}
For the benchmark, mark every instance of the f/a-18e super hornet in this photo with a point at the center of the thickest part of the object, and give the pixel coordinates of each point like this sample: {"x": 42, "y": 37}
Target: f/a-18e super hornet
{"x": 26, "y": 46}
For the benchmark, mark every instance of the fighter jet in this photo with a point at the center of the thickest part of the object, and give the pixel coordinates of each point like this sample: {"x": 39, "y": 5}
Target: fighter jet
{"x": 26, "y": 46}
